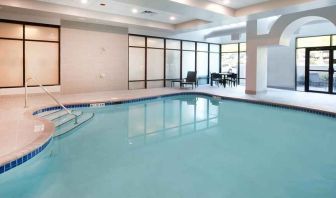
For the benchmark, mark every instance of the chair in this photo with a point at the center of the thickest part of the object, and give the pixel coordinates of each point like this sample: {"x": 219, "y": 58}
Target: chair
{"x": 190, "y": 80}
{"x": 232, "y": 79}
{"x": 217, "y": 78}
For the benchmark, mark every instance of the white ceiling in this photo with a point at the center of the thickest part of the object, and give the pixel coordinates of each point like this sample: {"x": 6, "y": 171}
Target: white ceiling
{"x": 236, "y": 4}
{"x": 124, "y": 9}
{"x": 190, "y": 13}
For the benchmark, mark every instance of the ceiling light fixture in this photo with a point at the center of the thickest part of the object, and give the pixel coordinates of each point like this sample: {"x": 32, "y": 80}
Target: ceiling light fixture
{"x": 134, "y": 10}
{"x": 172, "y": 18}
{"x": 84, "y": 1}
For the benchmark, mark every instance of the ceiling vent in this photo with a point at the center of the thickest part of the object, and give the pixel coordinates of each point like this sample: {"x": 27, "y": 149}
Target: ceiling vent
{"x": 148, "y": 12}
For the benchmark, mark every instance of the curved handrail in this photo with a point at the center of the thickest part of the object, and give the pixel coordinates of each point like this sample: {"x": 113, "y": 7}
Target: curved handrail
{"x": 49, "y": 94}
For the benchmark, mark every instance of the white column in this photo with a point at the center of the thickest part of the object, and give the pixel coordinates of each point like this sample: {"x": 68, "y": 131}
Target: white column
{"x": 256, "y": 65}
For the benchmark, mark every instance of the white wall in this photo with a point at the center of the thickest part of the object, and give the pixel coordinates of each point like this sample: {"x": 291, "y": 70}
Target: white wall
{"x": 93, "y": 58}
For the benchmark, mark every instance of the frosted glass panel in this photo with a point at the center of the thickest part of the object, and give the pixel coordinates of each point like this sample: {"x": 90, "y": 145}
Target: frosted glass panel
{"x": 243, "y": 47}
{"x": 173, "y": 64}
{"x": 188, "y": 62}
{"x": 10, "y": 30}
{"x": 230, "y": 48}
{"x": 42, "y": 62}
{"x": 334, "y": 40}
{"x": 41, "y": 33}
{"x": 136, "y": 85}
{"x": 173, "y": 44}
{"x": 202, "y": 47}
{"x": 314, "y": 41}
{"x": 155, "y": 64}
{"x": 154, "y": 84}
{"x": 242, "y": 66}
{"x": 214, "y": 48}
{"x": 137, "y": 41}
{"x": 188, "y": 45}
{"x": 154, "y": 42}
{"x": 136, "y": 63}
{"x": 11, "y": 63}
{"x": 214, "y": 63}
{"x": 202, "y": 64}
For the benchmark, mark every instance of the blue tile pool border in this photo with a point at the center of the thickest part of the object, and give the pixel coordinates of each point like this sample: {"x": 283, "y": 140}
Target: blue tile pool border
{"x": 10, "y": 165}
{"x": 14, "y": 163}
{"x": 264, "y": 103}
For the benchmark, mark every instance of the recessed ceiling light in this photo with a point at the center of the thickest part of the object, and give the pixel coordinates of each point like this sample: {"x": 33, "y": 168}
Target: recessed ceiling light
{"x": 172, "y": 18}
{"x": 84, "y": 1}
{"x": 134, "y": 10}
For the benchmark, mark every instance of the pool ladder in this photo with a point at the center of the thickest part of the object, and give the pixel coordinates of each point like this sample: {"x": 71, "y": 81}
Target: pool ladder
{"x": 65, "y": 120}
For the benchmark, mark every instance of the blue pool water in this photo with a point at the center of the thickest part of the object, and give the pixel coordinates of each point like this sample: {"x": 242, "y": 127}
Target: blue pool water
{"x": 185, "y": 147}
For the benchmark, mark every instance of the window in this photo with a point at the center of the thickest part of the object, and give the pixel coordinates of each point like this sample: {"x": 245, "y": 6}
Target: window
{"x": 29, "y": 51}
{"x": 316, "y": 59}
{"x": 155, "y": 62}
{"x": 11, "y": 64}
{"x": 234, "y": 60}
{"x": 202, "y": 62}
{"x": 214, "y": 58}
{"x": 318, "y": 41}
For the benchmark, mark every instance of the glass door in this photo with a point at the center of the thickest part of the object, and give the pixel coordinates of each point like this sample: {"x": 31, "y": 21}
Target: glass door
{"x": 319, "y": 75}
{"x": 334, "y": 71}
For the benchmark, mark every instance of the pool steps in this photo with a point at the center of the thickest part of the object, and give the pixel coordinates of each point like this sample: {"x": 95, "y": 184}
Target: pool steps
{"x": 65, "y": 122}
{"x": 69, "y": 126}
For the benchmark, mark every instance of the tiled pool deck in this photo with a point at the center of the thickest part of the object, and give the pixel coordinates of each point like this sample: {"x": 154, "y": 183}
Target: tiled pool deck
{"x": 21, "y": 133}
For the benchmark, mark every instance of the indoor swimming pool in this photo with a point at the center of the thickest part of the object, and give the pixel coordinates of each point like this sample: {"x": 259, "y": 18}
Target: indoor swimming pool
{"x": 185, "y": 146}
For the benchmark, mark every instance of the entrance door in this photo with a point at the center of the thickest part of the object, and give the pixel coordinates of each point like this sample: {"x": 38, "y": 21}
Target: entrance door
{"x": 320, "y": 70}
{"x": 334, "y": 72}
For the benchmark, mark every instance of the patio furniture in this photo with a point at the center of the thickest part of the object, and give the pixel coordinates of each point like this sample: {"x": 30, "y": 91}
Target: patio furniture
{"x": 232, "y": 78}
{"x": 217, "y": 78}
{"x": 223, "y": 78}
{"x": 190, "y": 80}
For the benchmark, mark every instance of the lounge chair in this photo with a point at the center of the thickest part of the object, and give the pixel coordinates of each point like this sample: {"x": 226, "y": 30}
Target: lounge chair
{"x": 190, "y": 80}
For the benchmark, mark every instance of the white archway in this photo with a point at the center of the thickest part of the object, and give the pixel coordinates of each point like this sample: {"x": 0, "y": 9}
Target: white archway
{"x": 280, "y": 34}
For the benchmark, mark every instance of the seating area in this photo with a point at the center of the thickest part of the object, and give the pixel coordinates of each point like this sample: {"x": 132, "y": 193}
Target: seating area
{"x": 224, "y": 79}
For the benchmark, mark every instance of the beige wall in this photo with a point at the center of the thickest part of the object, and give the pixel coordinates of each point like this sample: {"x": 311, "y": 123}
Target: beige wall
{"x": 93, "y": 58}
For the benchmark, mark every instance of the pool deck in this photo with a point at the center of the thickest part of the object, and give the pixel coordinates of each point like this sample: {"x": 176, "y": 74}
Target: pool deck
{"x": 20, "y": 132}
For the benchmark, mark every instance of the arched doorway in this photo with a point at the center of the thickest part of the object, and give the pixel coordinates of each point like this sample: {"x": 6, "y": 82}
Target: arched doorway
{"x": 318, "y": 70}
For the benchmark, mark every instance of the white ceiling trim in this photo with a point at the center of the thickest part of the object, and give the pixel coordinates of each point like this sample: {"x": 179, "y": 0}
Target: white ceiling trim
{"x": 81, "y": 14}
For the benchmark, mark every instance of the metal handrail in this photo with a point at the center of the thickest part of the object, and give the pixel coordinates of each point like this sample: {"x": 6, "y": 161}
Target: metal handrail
{"x": 49, "y": 94}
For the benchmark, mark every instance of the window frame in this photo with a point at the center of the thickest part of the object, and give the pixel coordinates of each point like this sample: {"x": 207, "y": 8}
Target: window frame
{"x": 24, "y": 24}
{"x": 332, "y": 37}
{"x": 181, "y": 50}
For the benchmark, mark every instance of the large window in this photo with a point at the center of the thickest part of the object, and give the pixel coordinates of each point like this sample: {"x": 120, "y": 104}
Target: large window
{"x": 317, "y": 61}
{"x": 234, "y": 60}
{"x": 28, "y": 50}
{"x": 154, "y": 62}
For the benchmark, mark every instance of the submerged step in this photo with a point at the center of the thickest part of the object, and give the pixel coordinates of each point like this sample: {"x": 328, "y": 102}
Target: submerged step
{"x": 67, "y": 127}
{"x": 46, "y": 113}
{"x": 66, "y": 118}
{"x": 55, "y": 115}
